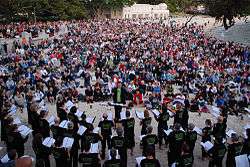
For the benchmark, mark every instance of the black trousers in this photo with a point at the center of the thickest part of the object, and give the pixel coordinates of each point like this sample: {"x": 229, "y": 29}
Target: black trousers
{"x": 74, "y": 158}
{"x": 118, "y": 110}
{"x": 161, "y": 135}
{"x": 106, "y": 139}
{"x": 215, "y": 162}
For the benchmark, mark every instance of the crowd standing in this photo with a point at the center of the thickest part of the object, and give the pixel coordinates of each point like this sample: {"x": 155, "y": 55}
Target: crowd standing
{"x": 124, "y": 64}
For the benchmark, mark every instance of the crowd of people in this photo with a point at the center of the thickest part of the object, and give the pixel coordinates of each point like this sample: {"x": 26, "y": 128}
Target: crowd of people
{"x": 15, "y": 30}
{"x": 169, "y": 70}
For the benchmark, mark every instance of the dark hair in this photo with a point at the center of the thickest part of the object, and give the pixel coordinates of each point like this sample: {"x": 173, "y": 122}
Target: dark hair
{"x": 59, "y": 141}
{"x": 42, "y": 113}
{"x": 12, "y": 154}
{"x": 149, "y": 151}
{"x": 73, "y": 109}
{"x": 127, "y": 113}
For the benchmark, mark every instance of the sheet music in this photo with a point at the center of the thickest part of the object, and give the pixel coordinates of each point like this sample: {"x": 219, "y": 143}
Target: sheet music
{"x": 48, "y": 141}
{"x": 68, "y": 142}
{"x": 17, "y": 121}
{"x": 96, "y": 130}
{"x": 12, "y": 110}
{"x": 117, "y": 155}
{"x": 116, "y": 104}
{"x": 242, "y": 161}
{"x": 140, "y": 115}
{"x": 110, "y": 116}
{"x": 51, "y": 120}
{"x": 247, "y": 126}
{"x": 64, "y": 124}
{"x": 90, "y": 120}
{"x": 198, "y": 130}
{"x": 123, "y": 115}
{"x": 138, "y": 160}
{"x": 167, "y": 132}
{"x": 230, "y": 132}
{"x": 69, "y": 105}
{"x": 141, "y": 137}
{"x": 24, "y": 130}
{"x": 94, "y": 148}
{"x": 81, "y": 130}
{"x": 247, "y": 109}
{"x": 79, "y": 113}
{"x": 173, "y": 165}
{"x": 5, "y": 158}
{"x": 156, "y": 112}
{"x": 79, "y": 72}
{"x": 207, "y": 145}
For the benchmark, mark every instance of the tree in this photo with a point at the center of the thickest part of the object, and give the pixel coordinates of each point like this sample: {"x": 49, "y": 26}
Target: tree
{"x": 17, "y": 10}
{"x": 95, "y": 7}
{"x": 227, "y": 10}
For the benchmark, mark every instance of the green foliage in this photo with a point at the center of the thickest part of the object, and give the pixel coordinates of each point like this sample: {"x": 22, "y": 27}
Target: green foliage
{"x": 228, "y": 10}
{"x": 16, "y": 10}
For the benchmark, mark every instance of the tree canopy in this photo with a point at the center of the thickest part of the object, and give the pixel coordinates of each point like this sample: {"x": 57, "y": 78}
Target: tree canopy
{"x": 228, "y": 10}
{"x": 26, "y": 10}
{"x": 18, "y": 10}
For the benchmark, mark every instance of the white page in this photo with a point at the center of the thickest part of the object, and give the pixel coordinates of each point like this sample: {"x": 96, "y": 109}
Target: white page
{"x": 51, "y": 120}
{"x": 48, "y": 141}
{"x": 170, "y": 113}
{"x": 79, "y": 72}
{"x": 230, "y": 132}
{"x": 141, "y": 137}
{"x": 17, "y": 121}
{"x": 139, "y": 159}
{"x": 173, "y": 165}
{"x": 24, "y": 130}
{"x": 116, "y": 104}
{"x": 69, "y": 105}
{"x": 5, "y": 158}
{"x": 242, "y": 161}
{"x": 247, "y": 109}
{"x": 94, "y": 148}
{"x": 140, "y": 115}
{"x": 12, "y": 110}
{"x": 64, "y": 124}
{"x": 167, "y": 132}
{"x": 26, "y": 133}
{"x": 90, "y": 120}
{"x": 155, "y": 112}
{"x": 123, "y": 115}
{"x": 207, "y": 145}
{"x": 81, "y": 130}
{"x": 245, "y": 134}
{"x": 68, "y": 142}
{"x": 247, "y": 126}
{"x": 117, "y": 155}
{"x": 96, "y": 130}
{"x": 198, "y": 130}
{"x": 110, "y": 116}
{"x": 79, "y": 113}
